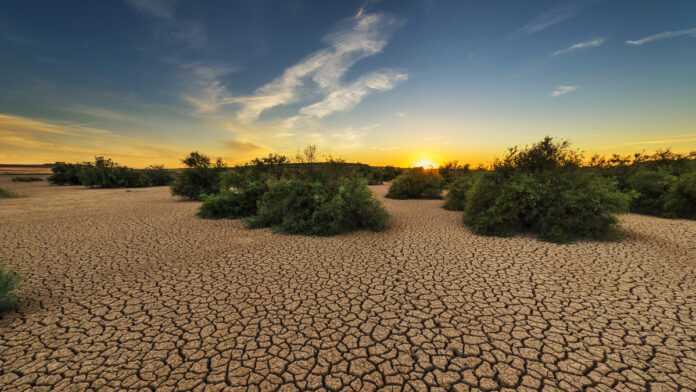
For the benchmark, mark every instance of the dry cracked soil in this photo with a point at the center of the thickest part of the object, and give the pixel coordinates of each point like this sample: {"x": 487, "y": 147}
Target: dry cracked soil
{"x": 129, "y": 290}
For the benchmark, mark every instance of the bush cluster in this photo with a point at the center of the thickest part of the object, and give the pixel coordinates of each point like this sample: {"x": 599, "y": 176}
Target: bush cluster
{"x": 542, "y": 189}
{"x": 680, "y": 202}
{"x": 8, "y": 284}
{"x": 65, "y": 173}
{"x": 307, "y": 197}
{"x": 459, "y": 187}
{"x": 417, "y": 184}
{"x": 199, "y": 178}
{"x": 26, "y": 179}
{"x": 105, "y": 173}
{"x": 298, "y": 206}
{"x": 233, "y": 202}
{"x": 452, "y": 170}
{"x": 659, "y": 182}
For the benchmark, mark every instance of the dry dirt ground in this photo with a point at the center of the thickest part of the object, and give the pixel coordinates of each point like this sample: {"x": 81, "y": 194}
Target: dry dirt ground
{"x": 129, "y": 290}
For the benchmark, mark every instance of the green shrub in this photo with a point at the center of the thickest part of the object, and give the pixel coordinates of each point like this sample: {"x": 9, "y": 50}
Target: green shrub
{"x": 457, "y": 191}
{"x": 199, "y": 178}
{"x": 7, "y": 194}
{"x": 680, "y": 202}
{"x": 389, "y": 173}
{"x": 300, "y": 206}
{"x": 234, "y": 202}
{"x": 452, "y": 170}
{"x": 416, "y": 184}
{"x": 503, "y": 205}
{"x": 157, "y": 176}
{"x": 651, "y": 188}
{"x": 26, "y": 179}
{"x": 580, "y": 206}
{"x": 105, "y": 173}
{"x": 65, "y": 173}
{"x": 542, "y": 189}
{"x": 8, "y": 284}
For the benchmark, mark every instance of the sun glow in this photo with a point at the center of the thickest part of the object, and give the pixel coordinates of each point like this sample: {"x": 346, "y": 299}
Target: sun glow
{"x": 425, "y": 164}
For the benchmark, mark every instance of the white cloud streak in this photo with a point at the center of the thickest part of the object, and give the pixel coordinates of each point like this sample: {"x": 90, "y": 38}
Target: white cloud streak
{"x": 163, "y": 9}
{"x": 563, "y": 90}
{"x": 347, "y": 97}
{"x": 662, "y": 36}
{"x": 595, "y": 43}
{"x": 550, "y": 18}
{"x": 319, "y": 74}
{"x": 188, "y": 32}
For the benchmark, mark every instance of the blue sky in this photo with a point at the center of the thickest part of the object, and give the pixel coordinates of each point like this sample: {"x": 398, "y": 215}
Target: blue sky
{"x": 383, "y": 82}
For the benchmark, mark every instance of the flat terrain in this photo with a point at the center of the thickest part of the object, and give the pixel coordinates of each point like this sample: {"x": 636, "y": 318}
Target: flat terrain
{"x": 129, "y": 290}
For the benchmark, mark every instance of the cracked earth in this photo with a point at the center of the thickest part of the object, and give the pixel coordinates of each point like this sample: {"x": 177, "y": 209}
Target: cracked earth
{"x": 129, "y": 290}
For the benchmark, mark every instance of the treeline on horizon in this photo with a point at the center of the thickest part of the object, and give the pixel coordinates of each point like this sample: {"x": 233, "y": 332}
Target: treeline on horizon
{"x": 548, "y": 188}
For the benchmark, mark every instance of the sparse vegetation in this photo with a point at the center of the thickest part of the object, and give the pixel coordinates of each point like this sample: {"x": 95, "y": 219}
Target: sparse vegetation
{"x": 650, "y": 188}
{"x": 8, "y": 284}
{"x": 105, "y": 173}
{"x": 457, "y": 192}
{"x": 417, "y": 184}
{"x": 298, "y": 206}
{"x": 308, "y": 197}
{"x": 65, "y": 173}
{"x": 157, "y": 176}
{"x": 233, "y": 202}
{"x": 201, "y": 177}
{"x": 657, "y": 181}
{"x": 26, "y": 179}
{"x": 542, "y": 190}
{"x": 7, "y": 194}
{"x": 680, "y": 202}
{"x": 451, "y": 171}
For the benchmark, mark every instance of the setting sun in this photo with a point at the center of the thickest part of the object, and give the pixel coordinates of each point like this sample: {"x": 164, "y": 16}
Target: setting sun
{"x": 425, "y": 164}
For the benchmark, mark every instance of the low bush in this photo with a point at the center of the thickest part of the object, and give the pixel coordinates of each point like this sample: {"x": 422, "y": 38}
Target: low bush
{"x": 201, "y": 177}
{"x": 7, "y": 194}
{"x": 389, "y": 173}
{"x": 157, "y": 176}
{"x": 105, "y": 173}
{"x": 233, "y": 202}
{"x": 650, "y": 188}
{"x": 299, "y": 206}
{"x": 8, "y": 284}
{"x": 457, "y": 192}
{"x": 680, "y": 201}
{"x": 65, "y": 173}
{"x": 502, "y": 205}
{"x": 452, "y": 170}
{"x": 26, "y": 179}
{"x": 542, "y": 190}
{"x": 416, "y": 184}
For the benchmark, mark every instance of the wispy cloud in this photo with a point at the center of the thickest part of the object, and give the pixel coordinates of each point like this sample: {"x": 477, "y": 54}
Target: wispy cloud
{"x": 20, "y": 124}
{"x": 188, "y": 32}
{"x": 347, "y": 97}
{"x": 320, "y": 74}
{"x": 210, "y": 93}
{"x": 163, "y": 9}
{"x": 563, "y": 90}
{"x": 550, "y": 18}
{"x": 597, "y": 42}
{"x": 662, "y": 36}
{"x": 670, "y": 140}
{"x": 242, "y": 146}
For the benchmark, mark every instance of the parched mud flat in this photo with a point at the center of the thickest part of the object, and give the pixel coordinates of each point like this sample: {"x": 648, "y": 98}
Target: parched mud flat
{"x": 129, "y": 290}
